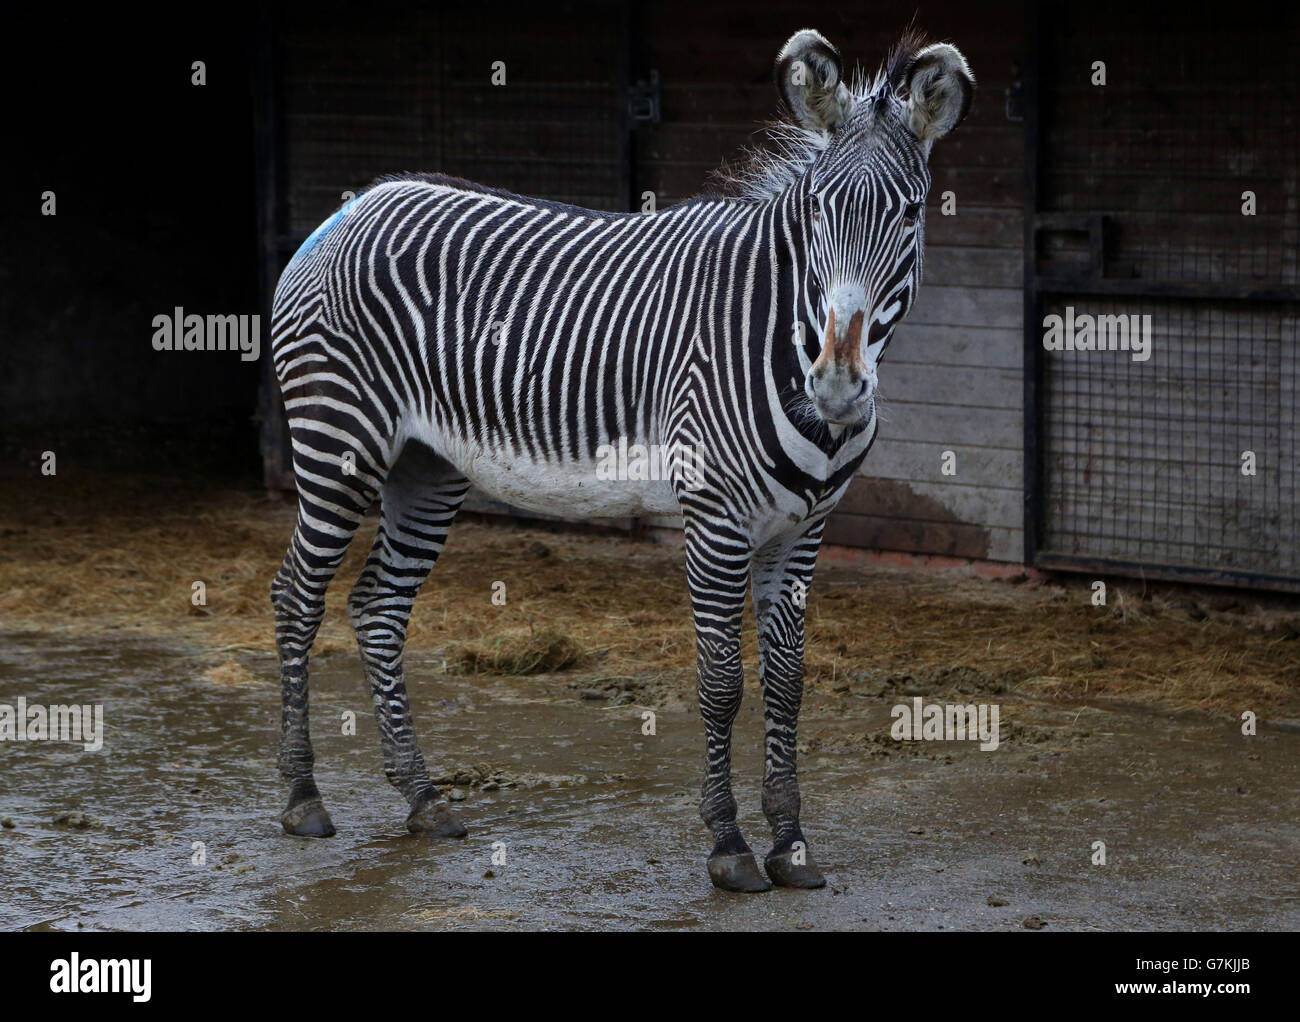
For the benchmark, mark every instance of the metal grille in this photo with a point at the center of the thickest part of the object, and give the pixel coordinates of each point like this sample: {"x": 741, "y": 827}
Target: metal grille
{"x": 1144, "y": 459}
{"x": 1139, "y": 212}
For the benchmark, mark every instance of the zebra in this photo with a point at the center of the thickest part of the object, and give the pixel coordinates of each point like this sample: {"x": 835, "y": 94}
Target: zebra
{"x": 435, "y": 334}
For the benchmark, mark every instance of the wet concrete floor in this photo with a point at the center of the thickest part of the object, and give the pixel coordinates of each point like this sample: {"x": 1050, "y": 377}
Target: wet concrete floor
{"x": 598, "y": 822}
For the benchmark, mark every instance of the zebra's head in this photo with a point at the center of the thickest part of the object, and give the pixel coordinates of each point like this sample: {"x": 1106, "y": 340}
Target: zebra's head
{"x": 861, "y": 200}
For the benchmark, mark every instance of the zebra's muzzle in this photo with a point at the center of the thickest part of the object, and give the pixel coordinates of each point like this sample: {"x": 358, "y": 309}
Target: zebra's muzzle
{"x": 840, "y": 384}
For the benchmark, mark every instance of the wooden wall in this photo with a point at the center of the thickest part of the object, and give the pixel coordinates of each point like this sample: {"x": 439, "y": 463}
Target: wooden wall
{"x": 952, "y": 377}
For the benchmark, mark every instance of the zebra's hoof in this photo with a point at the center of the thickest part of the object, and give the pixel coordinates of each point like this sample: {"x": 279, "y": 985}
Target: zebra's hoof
{"x": 307, "y": 819}
{"x": 436, "y": 820}
{"x": 737, "y": 873}
{"x": 785, "y": 872}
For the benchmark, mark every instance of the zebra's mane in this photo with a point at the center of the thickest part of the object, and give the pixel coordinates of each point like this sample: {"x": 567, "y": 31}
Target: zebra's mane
{"x": 765, "y": 171}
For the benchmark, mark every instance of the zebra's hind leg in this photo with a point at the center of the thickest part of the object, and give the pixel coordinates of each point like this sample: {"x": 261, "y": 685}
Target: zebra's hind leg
{"x": 780, "y": 579}
{"x": 717, "y": 566}
{"x": 329, "y": 512}
{"x": 420, "y": 498}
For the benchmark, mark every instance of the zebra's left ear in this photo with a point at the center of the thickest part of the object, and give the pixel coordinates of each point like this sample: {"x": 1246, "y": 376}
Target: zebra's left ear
{"x": 937, "y": 85}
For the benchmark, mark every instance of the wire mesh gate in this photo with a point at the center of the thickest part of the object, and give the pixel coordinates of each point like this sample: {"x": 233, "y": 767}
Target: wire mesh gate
{"x": 1163, "y": 160}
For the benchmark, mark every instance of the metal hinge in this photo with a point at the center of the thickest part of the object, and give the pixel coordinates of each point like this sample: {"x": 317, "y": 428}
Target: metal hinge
{"x": 1015, "y": 108}
{"x": 643, "y": 100}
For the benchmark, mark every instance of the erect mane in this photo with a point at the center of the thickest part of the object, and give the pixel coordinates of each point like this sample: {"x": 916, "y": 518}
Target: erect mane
{"x": 766, "y": 170}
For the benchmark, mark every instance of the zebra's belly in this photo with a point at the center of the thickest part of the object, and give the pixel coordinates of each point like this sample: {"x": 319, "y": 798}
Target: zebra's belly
{"x": 574, "y": 488}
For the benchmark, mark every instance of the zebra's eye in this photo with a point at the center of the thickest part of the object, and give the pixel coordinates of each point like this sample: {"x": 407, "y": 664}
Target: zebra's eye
{"x": 911, "y": 213}
{"x": 815, "y": 204}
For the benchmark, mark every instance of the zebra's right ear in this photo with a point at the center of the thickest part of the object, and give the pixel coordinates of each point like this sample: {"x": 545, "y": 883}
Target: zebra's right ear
{"x": 808, "y": 76}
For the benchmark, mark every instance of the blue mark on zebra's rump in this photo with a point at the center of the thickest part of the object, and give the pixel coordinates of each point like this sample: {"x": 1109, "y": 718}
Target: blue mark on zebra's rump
{"x": 318, "y": 235}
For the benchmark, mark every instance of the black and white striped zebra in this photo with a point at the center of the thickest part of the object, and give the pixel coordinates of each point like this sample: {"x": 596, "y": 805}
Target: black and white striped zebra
{"x": 435, "y": 334}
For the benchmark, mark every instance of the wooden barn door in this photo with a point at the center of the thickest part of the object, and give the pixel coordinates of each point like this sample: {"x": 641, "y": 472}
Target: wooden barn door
{"x": 532, "y": 98}
{"x": 1169, "y": 192}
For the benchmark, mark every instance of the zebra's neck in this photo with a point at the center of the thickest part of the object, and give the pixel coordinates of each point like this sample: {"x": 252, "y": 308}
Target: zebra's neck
{"x": 783, "y": 308}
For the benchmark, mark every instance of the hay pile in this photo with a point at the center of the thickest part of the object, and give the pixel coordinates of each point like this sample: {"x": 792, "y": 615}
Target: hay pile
{"x": 123, "y": 552}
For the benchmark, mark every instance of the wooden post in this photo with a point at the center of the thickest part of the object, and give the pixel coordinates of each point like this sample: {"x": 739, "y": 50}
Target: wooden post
{"x": 277, "y": 465}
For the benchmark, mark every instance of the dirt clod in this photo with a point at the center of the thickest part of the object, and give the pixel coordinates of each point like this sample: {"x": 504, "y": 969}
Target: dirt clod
{"x": 75, "y": 819}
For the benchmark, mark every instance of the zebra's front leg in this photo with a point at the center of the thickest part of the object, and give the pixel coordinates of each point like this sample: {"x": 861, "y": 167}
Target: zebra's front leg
{"x": 781, "y": 576}
{"x": 716, "y": 568}
{"x": 420, "y": 499}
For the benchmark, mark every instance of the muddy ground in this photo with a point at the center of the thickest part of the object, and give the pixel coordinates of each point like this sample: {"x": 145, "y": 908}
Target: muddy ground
{"x": 598, "y": 821}
{"x": 1120, "y": 724}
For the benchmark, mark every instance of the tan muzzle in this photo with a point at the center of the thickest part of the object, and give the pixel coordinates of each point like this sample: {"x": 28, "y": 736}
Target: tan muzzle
{"x": 845, "y": 353}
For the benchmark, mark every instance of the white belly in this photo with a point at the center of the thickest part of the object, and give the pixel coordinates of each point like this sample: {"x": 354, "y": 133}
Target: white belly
{"x": 584, "y": 488}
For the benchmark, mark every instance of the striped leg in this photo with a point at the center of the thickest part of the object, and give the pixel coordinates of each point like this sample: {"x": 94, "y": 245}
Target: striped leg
{"x": 717, "y": 567}
{"x": 782, "y": 574}
{"x": 420, "y": 498}
{"x": 331, "y": 503}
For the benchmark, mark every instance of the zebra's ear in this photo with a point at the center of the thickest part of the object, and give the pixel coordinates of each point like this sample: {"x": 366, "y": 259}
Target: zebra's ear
{"x": 937, "y": 85}
{"x": 808, "y": 76}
